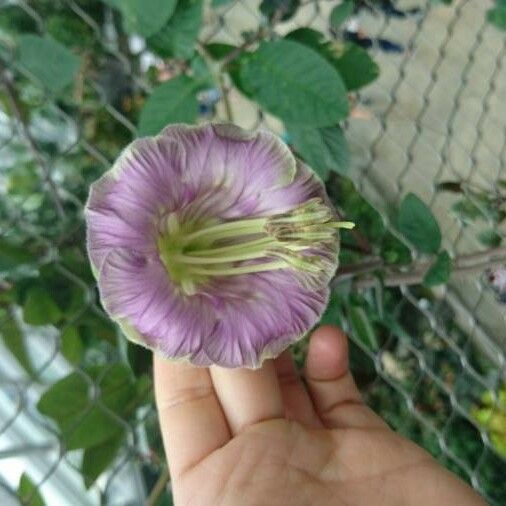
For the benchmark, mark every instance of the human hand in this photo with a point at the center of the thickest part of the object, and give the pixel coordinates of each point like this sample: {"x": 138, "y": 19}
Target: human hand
{"x": 242, "y": 437}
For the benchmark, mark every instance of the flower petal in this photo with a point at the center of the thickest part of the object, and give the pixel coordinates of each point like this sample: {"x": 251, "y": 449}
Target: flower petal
{"x": 136, "y": 292}
{"x": 229, "y": 160}
{"x": 306, "y": 185}
{"x": 261, "y": 315}
{"x": 123, "y": 204}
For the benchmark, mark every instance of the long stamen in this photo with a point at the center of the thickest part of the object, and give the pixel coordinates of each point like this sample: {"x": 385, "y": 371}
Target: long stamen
{"x": 246, "y": 269}
{"x": 193, "y": 260}
{"x": 228, "y": 229}
{"x": 258, "y": 243}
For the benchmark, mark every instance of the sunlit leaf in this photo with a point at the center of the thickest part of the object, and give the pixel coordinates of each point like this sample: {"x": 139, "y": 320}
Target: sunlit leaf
{"x": 28, "y": 493}
{"x": 295, "y": 83}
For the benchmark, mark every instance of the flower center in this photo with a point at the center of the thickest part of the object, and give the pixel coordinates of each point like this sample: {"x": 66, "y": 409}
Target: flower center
{"x": 194, "y": 253}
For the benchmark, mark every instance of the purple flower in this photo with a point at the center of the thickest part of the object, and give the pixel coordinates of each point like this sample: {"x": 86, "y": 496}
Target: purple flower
{"x": 211, "y": 244}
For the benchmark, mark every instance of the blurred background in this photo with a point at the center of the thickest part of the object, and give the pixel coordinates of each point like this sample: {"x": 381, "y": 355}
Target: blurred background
{"x": 414, "y": 151}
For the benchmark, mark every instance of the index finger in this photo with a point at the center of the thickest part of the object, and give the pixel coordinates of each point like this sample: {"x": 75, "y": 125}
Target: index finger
{"x": 191, "y": 418}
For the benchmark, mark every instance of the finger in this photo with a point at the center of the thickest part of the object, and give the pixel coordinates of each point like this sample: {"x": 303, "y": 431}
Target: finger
{"x": 191, "y": 419}
{"x": 335, "y": 395}
{"x": 296, "y": 400}
{"x": 248, "y": 396}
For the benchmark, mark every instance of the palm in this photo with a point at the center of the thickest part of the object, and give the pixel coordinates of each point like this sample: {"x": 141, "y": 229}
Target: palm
{"x": 317, "y": 449}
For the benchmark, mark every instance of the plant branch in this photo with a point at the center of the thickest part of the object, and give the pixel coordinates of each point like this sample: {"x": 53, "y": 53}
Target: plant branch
{"x": 159, "y": 488}
{"x": 16, "y": 109}
{"x": 464, "y": 264}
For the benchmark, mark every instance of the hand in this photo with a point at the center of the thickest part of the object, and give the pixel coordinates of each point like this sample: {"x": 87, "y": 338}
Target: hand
{"x": 243, "y": 437}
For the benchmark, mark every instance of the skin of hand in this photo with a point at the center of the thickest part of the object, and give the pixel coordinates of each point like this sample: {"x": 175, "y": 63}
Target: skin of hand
{"x": 261, "y": 437}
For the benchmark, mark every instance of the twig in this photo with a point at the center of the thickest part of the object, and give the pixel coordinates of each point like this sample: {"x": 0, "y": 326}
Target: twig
{"x": 226, "y": 101}
{"x": 461, "y": 265}
{"x": 159, "y": 488}
{"x": 16, "y": 109}
{"x": 239, "y": 49}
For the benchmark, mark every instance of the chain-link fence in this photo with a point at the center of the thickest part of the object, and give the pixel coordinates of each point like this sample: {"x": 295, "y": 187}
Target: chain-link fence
{"x": 432, "y": 123}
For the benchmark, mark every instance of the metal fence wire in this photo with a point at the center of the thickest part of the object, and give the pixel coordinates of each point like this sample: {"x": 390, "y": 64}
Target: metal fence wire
{"x": 435, "y": 115}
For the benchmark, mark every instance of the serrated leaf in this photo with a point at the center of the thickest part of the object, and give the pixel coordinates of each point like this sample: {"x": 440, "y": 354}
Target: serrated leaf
{"x": 98, "y": 458}
{"x": 439, "y": 272}
{"x": 71, "y": 347}
{"x": 294, "y": 83}
{"x": 83, "y": 422}
{"x": 144, "y": 17}
{"x": 417, "y": 223}
{"x": 324, "y": 149}
{"x": 172, "y": 102}
{"x": 497, "y": 17}
{"x": 12, "y": 255}
{"x": 340, "y": 13}
{"x": 362, "y": 327}
{"x": 40, "y": 308}
{"x": 177, "y": 38}
{"x": 49, "y": 61}
{"x": 28, "y": 493}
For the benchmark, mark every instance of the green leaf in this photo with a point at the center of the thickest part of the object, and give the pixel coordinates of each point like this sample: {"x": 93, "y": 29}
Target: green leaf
{"x": 220, "y": 3}
{"x": 333, "y": 313}
{"x": 439, "y": 272}
{"x": 98, "y": 458}
{"x": 218, "y": 50}
{"x": 497, "y": 16}
{"x": 295, "y": 83}
{"x": 28, "y": 493}
{"x": 82, "y": 420}
{"x": 12, "y": 256}
{"x": 40, "y": 308}
{"x": 417, "y": 223}
{"x": 340, "y": 13}
{"x": 172, "y": 102}
{"x": 15, "y": 342}
{"x": 362, "y": 327}
{"x": 355, "y": 65}
{"x": 324, "y": 149}
{"x": 282, "y": 10}
{"x": 50, "y": 62}
{"x": 145, "y": 17}
{"x": 490, "y": 238}
{"x": 71, "y": 345}
{"x": 177, "y": 38}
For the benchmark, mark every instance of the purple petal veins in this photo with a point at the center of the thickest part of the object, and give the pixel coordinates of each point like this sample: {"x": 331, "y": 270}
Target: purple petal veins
{"x": 212, "y": 244}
